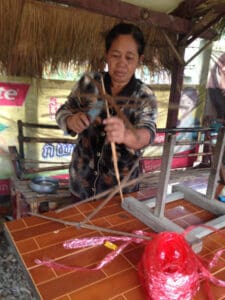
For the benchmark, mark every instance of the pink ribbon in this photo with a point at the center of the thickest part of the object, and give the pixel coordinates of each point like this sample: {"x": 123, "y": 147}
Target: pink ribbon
{"x": 203, "y": 273}
{"x": 96, "y": 241}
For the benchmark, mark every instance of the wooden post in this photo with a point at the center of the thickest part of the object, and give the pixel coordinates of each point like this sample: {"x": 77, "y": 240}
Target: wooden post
{"x": 175, "y": 90}
{"x": 20, "y": 138}
{"x": 164, "y": 174}
{"x": 216, "y": 164}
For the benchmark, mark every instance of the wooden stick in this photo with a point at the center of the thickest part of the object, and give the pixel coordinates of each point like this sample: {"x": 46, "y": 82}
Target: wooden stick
{"x": 91, "y": 227}
{"x": 44, "y": 169}
{"x": 113, "y": 147}
{"x": 173, "y": 48}
{"x": 111, "y": 192}
{"x": 33, "y": 161}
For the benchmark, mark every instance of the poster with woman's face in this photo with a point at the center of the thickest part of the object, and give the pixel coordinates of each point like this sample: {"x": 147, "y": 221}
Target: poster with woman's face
{"x": 215, "y": 102}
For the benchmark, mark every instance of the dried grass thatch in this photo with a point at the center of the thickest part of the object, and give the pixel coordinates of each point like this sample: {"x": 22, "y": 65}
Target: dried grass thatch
{"x": 203, "y": 9}
{"x": 10, "y": 15}
{"x": 208, "y": 7}
{"x": 36, "y": 34}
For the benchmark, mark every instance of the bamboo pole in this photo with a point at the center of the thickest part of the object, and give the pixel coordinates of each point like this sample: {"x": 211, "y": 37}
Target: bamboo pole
{"x": 113, "y": 147}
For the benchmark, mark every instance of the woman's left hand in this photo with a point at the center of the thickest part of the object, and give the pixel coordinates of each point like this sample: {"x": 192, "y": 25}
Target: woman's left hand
{"x": 115, "y": 130}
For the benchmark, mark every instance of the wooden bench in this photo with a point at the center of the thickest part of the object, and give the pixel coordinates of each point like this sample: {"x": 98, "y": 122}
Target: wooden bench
{"x": 23, "y": 198}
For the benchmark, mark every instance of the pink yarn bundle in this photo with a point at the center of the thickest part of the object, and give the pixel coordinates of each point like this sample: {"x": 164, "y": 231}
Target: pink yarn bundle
{"x": 169, "y": 269}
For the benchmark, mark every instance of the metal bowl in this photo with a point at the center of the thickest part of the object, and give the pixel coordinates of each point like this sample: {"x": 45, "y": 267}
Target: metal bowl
{"x": 44, "y": 184}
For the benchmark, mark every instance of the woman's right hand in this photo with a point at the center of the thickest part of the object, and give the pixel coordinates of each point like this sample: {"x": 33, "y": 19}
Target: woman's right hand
{"x": 78, "y": 122}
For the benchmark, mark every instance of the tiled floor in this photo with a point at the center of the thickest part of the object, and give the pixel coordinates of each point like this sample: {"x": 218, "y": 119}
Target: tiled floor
{"x": 36, "y": 238}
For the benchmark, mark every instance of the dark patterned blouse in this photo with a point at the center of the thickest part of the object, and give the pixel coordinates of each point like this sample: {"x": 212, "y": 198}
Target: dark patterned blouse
{"x": 91, "y": 168}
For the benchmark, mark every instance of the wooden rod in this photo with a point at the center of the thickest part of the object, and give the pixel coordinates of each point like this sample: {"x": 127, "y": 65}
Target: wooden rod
{"x": 38, "y": 125}
{"x": 28, "y": 139}
{"x": 113, "y": 146}
{"x": 91, "y": 227}
{"x": 176, "y": 53}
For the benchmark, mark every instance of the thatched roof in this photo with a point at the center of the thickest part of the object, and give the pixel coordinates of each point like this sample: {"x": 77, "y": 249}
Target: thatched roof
{"x": 34, "y": 34}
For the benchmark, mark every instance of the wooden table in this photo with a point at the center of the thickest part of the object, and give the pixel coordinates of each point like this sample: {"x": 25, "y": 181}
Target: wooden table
{"x": 25, "y": 200}
{"x": 36, "y": 238}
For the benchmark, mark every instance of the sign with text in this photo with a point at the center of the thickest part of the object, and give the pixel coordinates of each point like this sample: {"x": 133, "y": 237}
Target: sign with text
{"x": 13, "y": 94}
{"x": 4, "y": 187}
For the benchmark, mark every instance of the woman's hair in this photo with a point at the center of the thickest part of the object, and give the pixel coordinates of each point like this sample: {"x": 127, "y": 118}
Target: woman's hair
{"x": 125, "y": 28}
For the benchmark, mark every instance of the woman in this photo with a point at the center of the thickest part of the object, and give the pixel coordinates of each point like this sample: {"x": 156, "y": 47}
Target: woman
{"x": 91, "y": 169}
{"x": 187, "y": 119}
{"x": 189, "y": 101}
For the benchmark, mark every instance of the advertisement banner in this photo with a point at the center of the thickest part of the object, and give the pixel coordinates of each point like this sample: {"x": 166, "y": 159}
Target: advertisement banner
{"x": 13, "y": 94}
{"x": 4, "y": 187}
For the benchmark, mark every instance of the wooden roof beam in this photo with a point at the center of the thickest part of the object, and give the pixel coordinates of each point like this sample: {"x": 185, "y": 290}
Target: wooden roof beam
{"x": 210, "y": 19}
{"x": 133, "y": 13}
{"x": 186, "y": 7}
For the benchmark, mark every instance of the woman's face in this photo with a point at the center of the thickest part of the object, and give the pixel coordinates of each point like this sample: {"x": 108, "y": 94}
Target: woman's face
{"x": 188, "y": 105}
{"x": 123, "y": 59}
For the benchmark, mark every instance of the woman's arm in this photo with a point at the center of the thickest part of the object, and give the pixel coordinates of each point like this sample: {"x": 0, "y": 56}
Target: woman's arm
{"x": 72, "y": 116}
{"x": 117, "y": 132}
